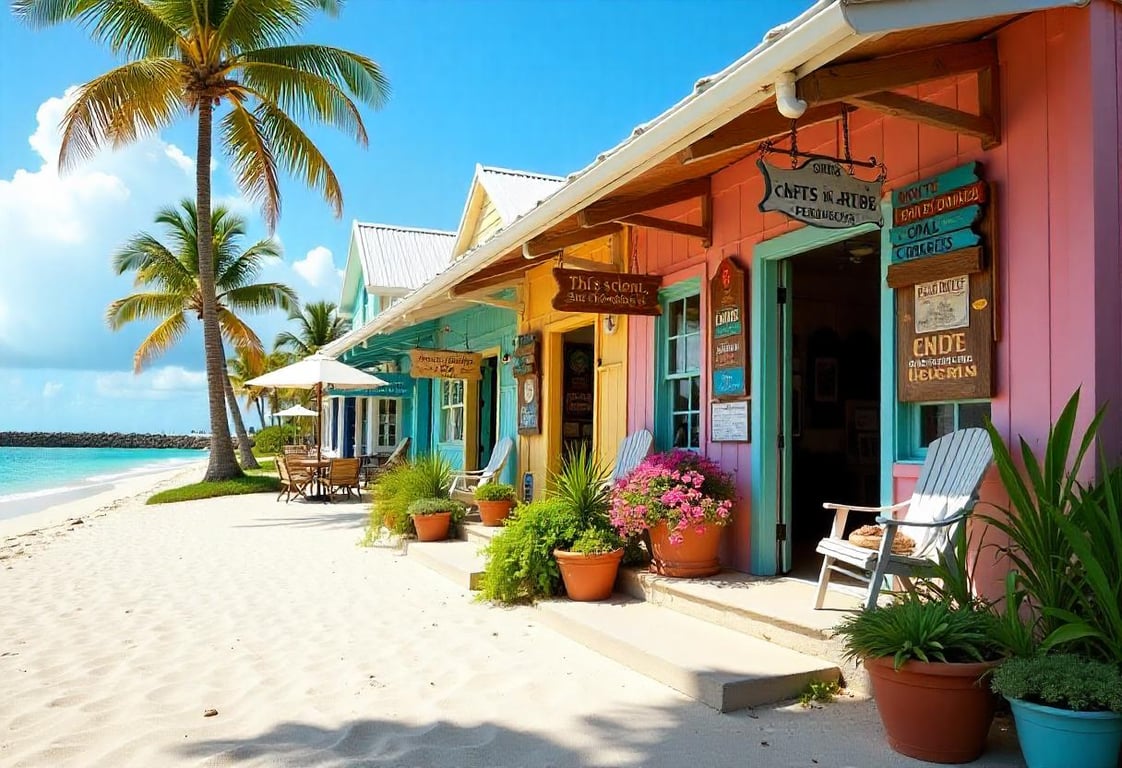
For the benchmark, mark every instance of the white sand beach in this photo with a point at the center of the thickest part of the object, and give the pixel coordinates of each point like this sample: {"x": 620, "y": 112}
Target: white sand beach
{"x": 119, "y": 633}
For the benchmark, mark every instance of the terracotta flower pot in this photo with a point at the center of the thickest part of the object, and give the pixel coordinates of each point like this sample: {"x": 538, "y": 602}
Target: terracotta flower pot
{"x": 493, "y": 513}
{"x": 432, "y": 527}
{"x": 588, "y": 577}
{"x": 695, "y": 557}
{"x": 934, "y": 711}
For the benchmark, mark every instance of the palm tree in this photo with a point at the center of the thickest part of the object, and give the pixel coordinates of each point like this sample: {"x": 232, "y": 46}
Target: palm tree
{"x": 196, "y": 57}
{"x": 173, "y": 291}
{"x": 317, "y": 324}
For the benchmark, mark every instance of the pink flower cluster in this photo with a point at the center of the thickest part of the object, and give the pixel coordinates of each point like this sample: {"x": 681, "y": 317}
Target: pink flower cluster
{"x": 680, "y": 487}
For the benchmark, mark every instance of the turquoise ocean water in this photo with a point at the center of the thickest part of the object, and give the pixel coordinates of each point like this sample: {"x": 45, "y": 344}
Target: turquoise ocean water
{"x": 32, "y": 473}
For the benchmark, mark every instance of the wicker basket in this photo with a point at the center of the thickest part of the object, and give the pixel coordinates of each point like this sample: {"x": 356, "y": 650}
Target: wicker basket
{"x": 869, "y": 537}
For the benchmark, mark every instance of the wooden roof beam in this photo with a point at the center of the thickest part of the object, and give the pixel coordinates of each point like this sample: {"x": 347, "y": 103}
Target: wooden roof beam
{"x": 543, "y": 245}
{"x": 677, "y": 227}
{"x": 493, "y": 282}
{"x": 751, "y": 128}
{"x": 899, "y": 105}
{"x": 617, "y": 209}
{"x": 843, "y": 82}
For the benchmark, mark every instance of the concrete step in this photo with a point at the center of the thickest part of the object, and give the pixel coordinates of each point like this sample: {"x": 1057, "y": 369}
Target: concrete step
{"x": 776, "y": 610}
{"x": 479, "y": 533}
{"x": 457, "y": 560}
{"x": 720, "y": 667}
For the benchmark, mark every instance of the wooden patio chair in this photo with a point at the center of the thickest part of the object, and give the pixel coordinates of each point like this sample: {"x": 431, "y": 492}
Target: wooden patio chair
{"x": 294, "y": 481}
{"x": 465, "y": 483}
{"x": 343, "y": 474}
{"x": 944, "y": 497}
{"x": 371, "y": 471}
{"x": 632, "y": 451}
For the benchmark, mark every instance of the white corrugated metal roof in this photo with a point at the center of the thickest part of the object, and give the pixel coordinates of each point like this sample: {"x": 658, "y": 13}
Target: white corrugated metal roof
{"x": 515, "y": 192}
{"x": 399, "y": 259}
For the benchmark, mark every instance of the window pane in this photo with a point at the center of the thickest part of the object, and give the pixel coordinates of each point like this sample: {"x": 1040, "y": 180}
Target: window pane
{"x": 677, "y": 358}
{"x": 676, "y": 324}
{"x": 695, "y": 431}
{"x": 693, "y": 352}
{"x": 682, "y": 395}
{"x": 681, "y": 430}
{"x": 695, "y": 393}
{"x": 934, "y": 422}
{"x": 693, "y": 314}
{"x": 973, "y": 415}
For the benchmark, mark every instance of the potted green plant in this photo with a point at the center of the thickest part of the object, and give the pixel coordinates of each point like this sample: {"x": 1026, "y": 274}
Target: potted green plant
{"x": 683, "y": 501}
{"x": 589, "y": 558}
{"x": 1064, "y": 705}
{"x": 432, "y": 518}
{"x": 428, "y": 476}
{"x": 928, "y": 662}
{"x": 494, "y": 501}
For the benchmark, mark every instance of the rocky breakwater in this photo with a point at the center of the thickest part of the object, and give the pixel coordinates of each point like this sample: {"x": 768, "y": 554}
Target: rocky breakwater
{"x": 100, "y": 440}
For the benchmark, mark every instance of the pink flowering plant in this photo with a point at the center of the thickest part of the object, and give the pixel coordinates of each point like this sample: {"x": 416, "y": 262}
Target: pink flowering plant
{"x": 682, "y": 488}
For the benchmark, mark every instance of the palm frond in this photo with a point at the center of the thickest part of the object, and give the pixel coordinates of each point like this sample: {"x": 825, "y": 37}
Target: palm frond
{"x": 259, "y": 297}
{"x": 299, "y": 154}
{"x": 290, "y": 341}
{"x": 143, "y": 306}
{"x": 153, "y": 263}
{"x": 241, "y": 268}
{"x": 131, "y": 28}
{"x": 240, "y": 336}
{"x": 304, "y": 95}
{"x": 165, "y": 336}
{"x": 360, "y": 75}
{"x": 251, "y": 156}
{"x": 133, "y": 100}
{"x": 254, "y": 23}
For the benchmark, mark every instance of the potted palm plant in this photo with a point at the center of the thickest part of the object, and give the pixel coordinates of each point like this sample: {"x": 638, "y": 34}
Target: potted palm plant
{"x": 494, "y": 501}
{"x": 928, "y": 661}
{"x": 1064, "y": 705}
{"x": 589, "y": 557}
{"x": 683, "y": 501}
{"x": 433, "y": 518}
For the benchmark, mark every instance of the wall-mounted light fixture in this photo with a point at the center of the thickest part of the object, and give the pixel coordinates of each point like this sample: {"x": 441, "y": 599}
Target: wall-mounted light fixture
{"x": 506, "y": 358}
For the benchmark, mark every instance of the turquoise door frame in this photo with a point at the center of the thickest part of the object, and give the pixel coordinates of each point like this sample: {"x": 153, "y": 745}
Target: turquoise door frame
{"x": 770, "y": 270}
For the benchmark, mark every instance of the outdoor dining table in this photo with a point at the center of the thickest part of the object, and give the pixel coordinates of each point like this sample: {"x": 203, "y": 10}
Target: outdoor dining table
{"x": 318, "y": 467}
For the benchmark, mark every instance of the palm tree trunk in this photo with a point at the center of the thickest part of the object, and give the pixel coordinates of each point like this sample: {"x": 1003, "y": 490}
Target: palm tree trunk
{"x": 260, "y": 401}
{"x": 222, "y": 465}
{"x": 246, "y": 453}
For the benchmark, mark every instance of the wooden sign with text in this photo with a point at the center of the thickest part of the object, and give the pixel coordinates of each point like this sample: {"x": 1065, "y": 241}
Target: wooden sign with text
{"x": 526, "y": 354}
{"x": 445, "y": 364}
{"x": 944, "y": 337}
{"x": 728, "y": 343}
{"x": 529, "y": 405}
{"x": 608, "y": 293}
{"x": 821, "y": 193}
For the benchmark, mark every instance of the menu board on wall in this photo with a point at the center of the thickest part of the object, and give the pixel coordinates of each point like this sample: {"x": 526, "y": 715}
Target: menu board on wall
{"x": 529, "y": 405}
{"x": 728, "y": 341}
{"x": 728, "y": 422}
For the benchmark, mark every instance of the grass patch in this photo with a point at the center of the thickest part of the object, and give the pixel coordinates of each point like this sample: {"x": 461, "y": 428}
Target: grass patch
{"x": 268, "y": 467}
{"x": 819, "y": 692}
{"x": 247, "y": 484}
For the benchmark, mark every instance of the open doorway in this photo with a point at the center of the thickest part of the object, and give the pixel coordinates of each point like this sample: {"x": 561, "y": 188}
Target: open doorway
{"x": 831, "y": 389}
{"x": 578, "y": 373}
{"x": 487, "y": 417}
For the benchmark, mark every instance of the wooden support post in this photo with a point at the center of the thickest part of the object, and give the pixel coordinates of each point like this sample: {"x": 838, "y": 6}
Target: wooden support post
{"x": 989, "y": 104}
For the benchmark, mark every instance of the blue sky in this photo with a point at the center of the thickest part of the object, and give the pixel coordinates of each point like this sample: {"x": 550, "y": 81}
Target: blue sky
{"x": 541, "y": 86}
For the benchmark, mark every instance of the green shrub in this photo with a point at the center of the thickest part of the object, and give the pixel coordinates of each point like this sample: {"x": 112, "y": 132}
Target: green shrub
{"x": 428, "y": 476}
{"x": 494, "y": 492}
{"x": 582, "y": 485}
{"x": 520, "y": 565}
{"x": 912, "y": 628}
{"x": 1061, "y": 680}
{"x": 819, "y": 692}
{"x": 436, "y": 506}
{"x": 596, "y": 541}
{"x": 271, "y": 440}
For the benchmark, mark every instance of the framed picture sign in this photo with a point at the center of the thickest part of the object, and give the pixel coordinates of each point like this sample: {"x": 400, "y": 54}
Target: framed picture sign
{"x": 728, "y": 340}
{"x": 529, "y": 405}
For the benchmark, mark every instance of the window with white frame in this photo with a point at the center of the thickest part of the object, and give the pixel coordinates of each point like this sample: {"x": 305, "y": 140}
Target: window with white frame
{"x": 452, "y": 410}
{"x": 682, "y": 353}
{"x": 387, "y": 424}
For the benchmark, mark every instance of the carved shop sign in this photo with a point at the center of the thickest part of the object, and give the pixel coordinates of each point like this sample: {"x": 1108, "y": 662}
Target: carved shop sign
{"x": 821, "y": 193}
{"x": 729, "y": 341}
{"x": 445, "y": 364}
{"x": 608, "y": 293}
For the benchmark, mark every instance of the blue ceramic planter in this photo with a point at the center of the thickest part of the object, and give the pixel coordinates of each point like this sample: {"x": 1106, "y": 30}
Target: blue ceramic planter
{"x": 1051, "y": 738}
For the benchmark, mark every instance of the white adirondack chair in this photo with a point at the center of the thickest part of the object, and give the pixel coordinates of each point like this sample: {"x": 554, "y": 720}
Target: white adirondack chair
{"x": 944, "y": 496}
{"x": 632, "y": 451}
{"x": 465, "y": 483}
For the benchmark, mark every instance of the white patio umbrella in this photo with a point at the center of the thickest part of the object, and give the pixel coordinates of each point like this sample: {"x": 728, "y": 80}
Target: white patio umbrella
{"x": 295, "y": 411}
{"x": 316, "y": 372}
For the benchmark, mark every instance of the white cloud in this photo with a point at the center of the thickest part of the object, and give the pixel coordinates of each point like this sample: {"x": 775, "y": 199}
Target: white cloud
{"x": 155, "y": 384}
{"x": 318, "y": 269}
{"x": 50, "y": 389}
{"x": 175, "y": 154}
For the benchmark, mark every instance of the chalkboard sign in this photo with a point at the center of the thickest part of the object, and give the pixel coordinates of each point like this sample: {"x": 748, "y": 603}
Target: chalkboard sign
{"x": 728, "y": 342}
{"x": 529, "y": 405}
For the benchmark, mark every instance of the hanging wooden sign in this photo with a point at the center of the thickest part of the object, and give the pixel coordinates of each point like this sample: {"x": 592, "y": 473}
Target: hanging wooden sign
{"x": 936, "y": 215}
{"x": 935, "y": 226}
{"x": 821, "y": 193}
{"x": 933, "y": 246}
{"x": 945, "y": 334}
{"x": 526, "y": 355}
{"x": 606, "y": 292}
{"x": 445, "y": 364}
{"x": 942, "y": 203}
{"x": 728, "y": 341}
{"x": 529, "y": 405}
